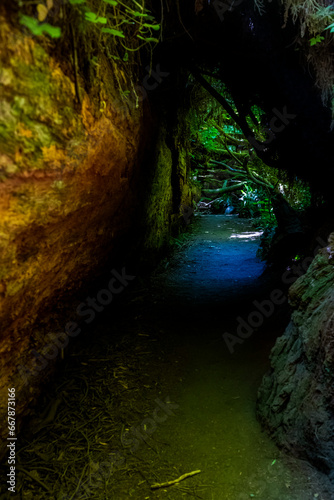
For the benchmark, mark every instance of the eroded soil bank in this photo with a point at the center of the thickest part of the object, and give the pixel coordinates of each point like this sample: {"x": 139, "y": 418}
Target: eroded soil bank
{"x": 152, "y": 391}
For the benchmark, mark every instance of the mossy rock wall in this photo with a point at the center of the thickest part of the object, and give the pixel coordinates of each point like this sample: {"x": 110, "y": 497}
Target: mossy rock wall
{"x": 76, "y": 180}
{"x": 296, "y": 397}
{"x": 169, "y": 203}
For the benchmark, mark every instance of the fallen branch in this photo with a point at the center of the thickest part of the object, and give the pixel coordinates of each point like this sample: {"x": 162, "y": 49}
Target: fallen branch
{"x": 209, "y": 178}
{"x": 225, "y": 151}
{"x": 228, "y": 189}
{"x": 221, "y": 163}
{"x": 256, "y": 178}
{"x": 231, "y": 169}
{"x": 175, "y": 481}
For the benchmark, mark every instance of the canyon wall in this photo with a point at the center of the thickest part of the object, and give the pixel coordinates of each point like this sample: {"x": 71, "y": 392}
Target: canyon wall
{"x": 82, "y": 178}
{"x": 296, "y": 398}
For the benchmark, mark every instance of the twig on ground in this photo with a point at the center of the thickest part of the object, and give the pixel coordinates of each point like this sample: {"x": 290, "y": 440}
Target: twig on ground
{"x": 155, "y": 486}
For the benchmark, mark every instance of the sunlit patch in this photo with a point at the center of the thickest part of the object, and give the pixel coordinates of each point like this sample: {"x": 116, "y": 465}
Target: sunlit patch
{"x": 255, "y": 234}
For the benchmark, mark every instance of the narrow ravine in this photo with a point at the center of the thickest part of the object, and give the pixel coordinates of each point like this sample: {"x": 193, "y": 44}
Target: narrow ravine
{"x": 154, "y": 392}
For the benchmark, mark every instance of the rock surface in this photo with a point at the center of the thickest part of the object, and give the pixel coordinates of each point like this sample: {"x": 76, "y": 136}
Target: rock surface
{"x": 74, "y": 192}
{"x": 296, "y": 398}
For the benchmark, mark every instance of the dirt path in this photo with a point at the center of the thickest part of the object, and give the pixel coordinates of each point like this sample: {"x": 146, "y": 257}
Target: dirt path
{"x": 215, "y": 280}
{"x": 153, "y": 392}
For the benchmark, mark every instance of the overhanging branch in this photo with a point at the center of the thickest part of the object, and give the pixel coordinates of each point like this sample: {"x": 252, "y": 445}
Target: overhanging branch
{"x": 239, "y": 120}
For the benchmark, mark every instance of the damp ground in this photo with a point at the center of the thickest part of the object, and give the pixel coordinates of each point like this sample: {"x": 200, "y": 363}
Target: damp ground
{"x": 154, "y": 390}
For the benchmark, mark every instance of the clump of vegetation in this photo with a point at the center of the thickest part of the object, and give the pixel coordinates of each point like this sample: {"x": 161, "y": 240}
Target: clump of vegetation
{"x": 125, "y": 20}
{"x": 122, "y": 32}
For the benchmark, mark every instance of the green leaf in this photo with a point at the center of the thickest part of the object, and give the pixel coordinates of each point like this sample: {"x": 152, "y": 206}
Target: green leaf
{"x": 32, "y": 24}
{"x": 330, "y": 27}
{"x": 148, "y": 39}
{"x": 53, "y": 31}
{"x": 155, "y": 27}
{"x": 76, "y": 2}
{"x": 38, "y": 29}
{"x": 111, "y": 2}
{"x": 113, "y": 32}
{"x": 92, "y": 17}
{"x": 136, "y": 13}
{"x": 316, "y": 39}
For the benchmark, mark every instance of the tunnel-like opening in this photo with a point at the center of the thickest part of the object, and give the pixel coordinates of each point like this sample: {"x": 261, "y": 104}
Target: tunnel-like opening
{"x": 167, "y": 249}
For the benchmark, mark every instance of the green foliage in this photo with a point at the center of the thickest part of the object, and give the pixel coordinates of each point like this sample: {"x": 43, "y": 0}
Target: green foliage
{"x": 297, "y": 193}
{"x": 38, "y": 29}
{"x": 113, "y": 32}
{"x": 330, "y": 27}
{"x": 155, "y": 27}
{"x": 132, "y": 15}
{"x": 316, "y": 39}
{"x": 250, "y": 202}
{"x": 129, "y": 21}
{"x": 180, "y": 241}
{"x": 231, "y": 129}
{"x": 93, "y": 18}
{"x": 257, "y": 204}
{"x": 207, "y": 136}
{"x": 267, "y": 217}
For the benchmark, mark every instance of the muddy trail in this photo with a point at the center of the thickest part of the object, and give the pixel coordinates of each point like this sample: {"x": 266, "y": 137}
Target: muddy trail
{"x": 154, "y": 391}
